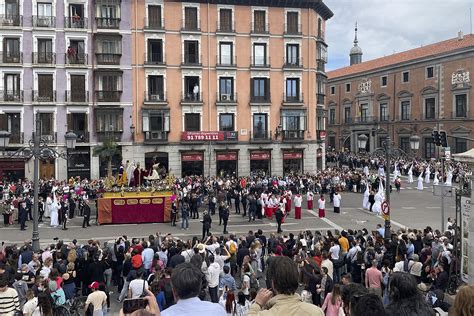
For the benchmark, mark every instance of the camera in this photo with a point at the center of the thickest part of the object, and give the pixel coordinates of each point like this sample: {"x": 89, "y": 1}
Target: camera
{"x": 133, "y": 304}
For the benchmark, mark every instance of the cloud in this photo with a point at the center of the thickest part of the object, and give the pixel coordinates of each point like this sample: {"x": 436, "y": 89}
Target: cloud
{"x": 390, "y": 26}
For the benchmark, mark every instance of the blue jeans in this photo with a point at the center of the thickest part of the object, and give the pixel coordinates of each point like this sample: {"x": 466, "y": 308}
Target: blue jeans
{"x": 184, "y": 220}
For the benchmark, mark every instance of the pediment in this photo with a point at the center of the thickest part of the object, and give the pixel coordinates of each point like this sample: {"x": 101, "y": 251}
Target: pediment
{"x": 429, "y": 90}
{"x": 460, "y": 130}
{"x": 347, "y": 101}
{"x": 426, "y": 130}
{"x": 404, "y": 94}
{"x": 404, "y": 130}
{"x": 382, "y": 97}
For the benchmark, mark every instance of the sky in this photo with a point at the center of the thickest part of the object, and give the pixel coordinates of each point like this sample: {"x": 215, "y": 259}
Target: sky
{"x": 391, "y": 26}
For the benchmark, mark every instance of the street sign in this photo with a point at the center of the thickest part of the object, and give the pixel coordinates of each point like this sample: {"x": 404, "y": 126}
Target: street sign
{"x": 447, "y": 153}
{"x": 385, "y": 210}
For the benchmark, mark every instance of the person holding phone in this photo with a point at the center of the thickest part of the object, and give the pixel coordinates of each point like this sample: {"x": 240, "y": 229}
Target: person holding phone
{"x": 97, "y": 298}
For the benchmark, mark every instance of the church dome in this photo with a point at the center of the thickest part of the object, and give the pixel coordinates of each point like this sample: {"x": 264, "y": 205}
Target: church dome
{"x": 356, "y": 50}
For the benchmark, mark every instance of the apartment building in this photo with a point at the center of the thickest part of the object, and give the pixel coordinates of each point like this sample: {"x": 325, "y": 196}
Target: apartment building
{"x": 225, "y": 87}
{"x": 67, "y": 61}
{"x": 409, "y": 93}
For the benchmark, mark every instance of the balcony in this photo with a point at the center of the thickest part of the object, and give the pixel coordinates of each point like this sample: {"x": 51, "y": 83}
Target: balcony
{"x": 11, "y": 96}
{"x": 320, "y": 98}
{"x": 157, "y": 59}
{"x": 225, "y": 61}
{"x": 108, "y": 59}
{"x": 191, "y": 60}
{"x": 154, "y": 24}
{"x": 77, "y": 59}
{"x": 292, "y": 29}
{"x": 262, "y": 137}
{"x": 44, "y": 21}
{"x": 260, "y": 99}
{"x": 75, "y": 96}
{"x": 155, "y": 98}
{"x": 107, "y": 23}
{"x": 365, "y": 119}
{"x": 293, "y": 136}
{"x": 404, "y": 117}
{"x": 224, "y": 28}
{"x": 153, "y": 137}
{"x": 321, "y": 65}
{"x": 11, "y": 20}
{"x": 260, "y": 29}
{"x": 48, "y": 137}
{"x": 226, "y": 99}
{"x": 260, "y": 64}
{"x": 11, "y": 58}
{"x": 293, "y": 63}
{"x": 44, "y": 58}
{"x": 16, "y": 137}
{"x": 108, "y": 96}
{"x": 109, "y": 135}
{"x": 75, "y": 22}
{"x": 293, "y": 99}
{"x": 44, "y": 96}
{"x": 190, "y": 26}
{"x": 82, "y": 136}
{"x": 191, "y": 98}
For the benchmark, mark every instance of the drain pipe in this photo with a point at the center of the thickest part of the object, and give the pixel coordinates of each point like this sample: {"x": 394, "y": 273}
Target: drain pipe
{"x": 134, "y": 132}
{"x": 209, "y": 86}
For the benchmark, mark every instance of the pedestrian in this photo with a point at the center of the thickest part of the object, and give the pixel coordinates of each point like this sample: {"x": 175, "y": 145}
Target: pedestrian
{"x": 64, "y": 211}
{"x": 225, "y": 218}
{"x": 206, "y": 224}
{"x": 309, "y": 198}
{"x": 174, "y": 213}
{"x": 337, "y": 202}
{"x": 371, "y": 199}
{"x": 237, "y": 198}
{"x": 22, "y": 214}
{"x": 298, "y": 201}
{"x": 221, "y": 211}
{"x": 185, "y": 215}
{"x": 252, "y": 207}
{"x": 244, "y": 202}
{"x": 279, "y": 218}
{"x": 397, "y": 184}
{"x": 322, "y": 207}
{"x": 87, "y": 214}
{"x": 40, "y": 209}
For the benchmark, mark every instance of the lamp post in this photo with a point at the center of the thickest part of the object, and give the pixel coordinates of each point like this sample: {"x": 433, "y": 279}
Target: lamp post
{"x": 38, "y": 149}
{"x": 390, "y": 153}
{"x": 362, "y": 142}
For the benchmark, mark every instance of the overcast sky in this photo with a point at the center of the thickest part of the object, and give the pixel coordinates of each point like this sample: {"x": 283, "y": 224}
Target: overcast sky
{"x": 388, "y": 26}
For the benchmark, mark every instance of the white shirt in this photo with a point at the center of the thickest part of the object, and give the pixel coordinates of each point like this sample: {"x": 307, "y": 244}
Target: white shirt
{"x": 309, "y": 196}
{"x": 298, "y": 199}
{"x": 31, "y": 308}
{"x": 212, "y": 275}
{"x": 136, "y": 286}
{"x": 329, "y": 265}
{"x": 334, "y": 251}
{"x": 337, "y": 200}
{"x": 322, "y": 204}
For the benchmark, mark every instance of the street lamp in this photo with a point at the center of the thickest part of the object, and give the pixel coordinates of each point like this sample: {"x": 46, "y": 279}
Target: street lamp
{"x": 362, "y": 141}
{"x": 414, "y": 142}
{"x": 38, "y": 149}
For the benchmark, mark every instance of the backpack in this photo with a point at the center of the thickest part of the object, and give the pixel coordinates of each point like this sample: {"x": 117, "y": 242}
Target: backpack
{"x": 169, "y": 296}
{"x": 232, "y": 248}
{"x": 253, "y": 281}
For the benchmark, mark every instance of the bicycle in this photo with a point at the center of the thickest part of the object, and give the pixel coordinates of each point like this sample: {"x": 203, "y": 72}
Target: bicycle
{"x": 76, "y": 305}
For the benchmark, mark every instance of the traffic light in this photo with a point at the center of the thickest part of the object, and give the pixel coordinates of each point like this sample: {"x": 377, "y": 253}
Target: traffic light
{"x": 436, "y": 138}
{"x": 444, "y": 139}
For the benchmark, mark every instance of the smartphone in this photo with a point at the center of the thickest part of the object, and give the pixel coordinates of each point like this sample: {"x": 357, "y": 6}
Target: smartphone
{"x": 133, "y": 304}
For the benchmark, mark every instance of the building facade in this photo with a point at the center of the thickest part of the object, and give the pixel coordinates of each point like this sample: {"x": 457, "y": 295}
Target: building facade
{"x": 227, "y": 87}
{"x": 69, "y": 61}
{"x": 404, "y": 94}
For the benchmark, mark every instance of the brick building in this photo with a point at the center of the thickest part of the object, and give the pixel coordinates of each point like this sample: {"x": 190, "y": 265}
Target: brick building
{"x": 404, "y": 94}
{"x": 228, "y": 87}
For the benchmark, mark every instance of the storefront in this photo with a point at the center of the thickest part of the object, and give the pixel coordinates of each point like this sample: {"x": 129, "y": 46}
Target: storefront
{"x": 79, "y": 163}
{"x": 292, "y": 162}
{"x": 227, "y": 163}
{"x": 192, "y": 163}
{"x": 260, "y": 162}
{"x": 12, "y": 169}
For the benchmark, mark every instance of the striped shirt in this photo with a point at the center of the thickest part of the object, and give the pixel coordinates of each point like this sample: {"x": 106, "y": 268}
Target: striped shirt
{"x": 9, "y": 302}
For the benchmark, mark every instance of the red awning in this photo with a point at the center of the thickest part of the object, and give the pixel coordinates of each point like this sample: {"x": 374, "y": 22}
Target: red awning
{"x": 292, "y": 155}
{"x": 260, "y": 155}
{"x": 192, "y": 157}
{"x": 226, "y": 156}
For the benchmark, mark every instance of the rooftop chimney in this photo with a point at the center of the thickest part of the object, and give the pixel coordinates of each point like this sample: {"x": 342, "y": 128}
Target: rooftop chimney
{"x": 460, "y": 35}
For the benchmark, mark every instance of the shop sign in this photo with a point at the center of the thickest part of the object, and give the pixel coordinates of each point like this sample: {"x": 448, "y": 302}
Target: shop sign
{"x": 192, "y": 157}
{"x": 322, "y": 135}
{"x": 209, "y": 136}
{"x": 226, "y": 156}
{"x": 292, "y": 155}
{"x": 259, "y": 155}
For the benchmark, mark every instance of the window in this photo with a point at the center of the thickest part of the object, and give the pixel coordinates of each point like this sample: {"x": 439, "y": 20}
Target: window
{"x": 45, "y": 51}
{"x": 11, "y": 87}
{"x": 364, "y": 112}
{"x": 321, "y": 86}
{"x": 45, "y": 10}
{"x": 382, "y": 141}
{"x": 154, "y": 17}
{"x": 77, "y": 123}
{"x": 191, "y": 18}
{"x": 109, "y": 121}
{"x": 109, "y": 82}
{"x": 430, "y": 108}
{"x": 108, "y": 16}
{"x": 460, "y": 145}
{"x": 347, "y": 115}
{"x": 109, "y": 50}
{"x": 155, "y": 87}
{"x": 47, "y": 123}
{"x": 405, "y": 144}
{"x": 191, "y": 85}
{"x": 333, "y": 90}
{"x": 332, "y": 116}
{"x": 405, "y": 76}
{"x": 192, "y": 122}
{"x": 226, "y": 122}
{"x": 11, "y": 122}
{"x": 12, "y": 9}
{"x": 109, "y": 87}
{"x": 225, "y": 20}
{"x": 259, "y": 21}
{"x": 292, "y": 23}
{"x": 292, "y": 89}
{"x": 75, "y": 18}
{"x": 430, "y": 148}
{"x": 78, "y": 89}
{"x": 226, "y": 87}
{"x": 45, "y": 88}
{"x": 320, "y": 28}
{"x": 259, "y": 54}
{"x": 155, "y": 51}
{"x": 348, "y": 87}
{"x": 260, "y": 89}
{"x": 461, "y": 105}
{"x": 383, "y": 81}
{"x": 156, "y": 121}
{"x": 383, "y": 112}
{"x": 292, "y": 54}
{"x": 429, "y": 72}
{"x": 191, "y": 52}
{"x": 260, "y": 126}
{"x": 320, "y": 126}
{"x": 293, "y": 120}
{"x": 11, "y": 50}
{"x": 405, "y": 111}
{"x": 226, "y": 54}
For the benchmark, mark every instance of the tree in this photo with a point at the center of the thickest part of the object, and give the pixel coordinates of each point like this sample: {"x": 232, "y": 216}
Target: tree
{"x": 107, "y": 151}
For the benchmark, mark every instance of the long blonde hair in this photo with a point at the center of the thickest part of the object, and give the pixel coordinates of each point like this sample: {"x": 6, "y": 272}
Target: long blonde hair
{"x": 464, "y": 303}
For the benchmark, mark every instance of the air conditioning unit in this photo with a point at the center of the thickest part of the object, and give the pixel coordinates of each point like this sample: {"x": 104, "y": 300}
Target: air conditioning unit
{"x": 226, "y": 97}
{"x": 157, "y": 135}
{"x": 155, "y": 97}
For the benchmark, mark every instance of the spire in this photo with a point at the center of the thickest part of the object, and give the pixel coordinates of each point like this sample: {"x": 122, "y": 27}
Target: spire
{"x": 356, "y": 52}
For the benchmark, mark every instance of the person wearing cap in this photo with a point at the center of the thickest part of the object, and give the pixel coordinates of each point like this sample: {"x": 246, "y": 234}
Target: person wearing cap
{"x": 97, "y": 298}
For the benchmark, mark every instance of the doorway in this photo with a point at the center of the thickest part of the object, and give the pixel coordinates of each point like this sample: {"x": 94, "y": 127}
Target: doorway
{"x": 47, "y": 169}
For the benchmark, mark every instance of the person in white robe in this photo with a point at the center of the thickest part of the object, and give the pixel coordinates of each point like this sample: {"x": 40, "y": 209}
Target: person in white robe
{"x": 410, "y": 174}
{"x": 366, "y": 170}
{"x": 396, "y": 172}
{"x": 436, "y": 179}
{"x": 449, "y": 177}
{"x": 54, "y": 211}
{"x": 381, "y": 171}
{"x": 427, "y": 175}
{"x": 420, "y": 182}
{"x": 130, "y": 169}
{"x": 379, "y": 198}
{"x": 365, "y": 201}
{"x": 47, "y": 208}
